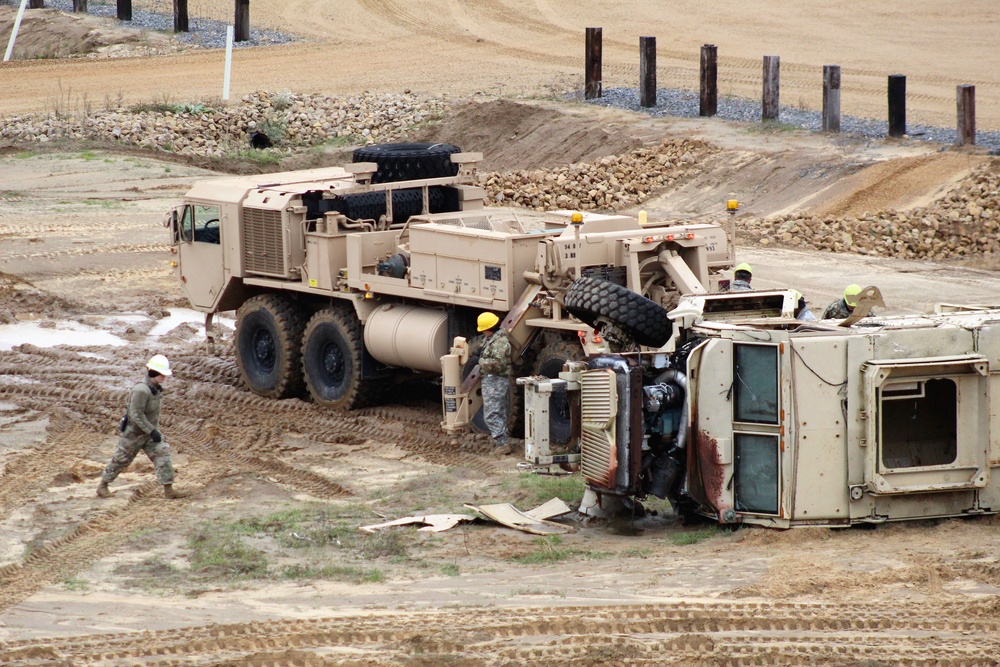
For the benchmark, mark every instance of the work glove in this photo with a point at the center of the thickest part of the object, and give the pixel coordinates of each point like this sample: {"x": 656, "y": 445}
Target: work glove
{"x": 155, "y": 435}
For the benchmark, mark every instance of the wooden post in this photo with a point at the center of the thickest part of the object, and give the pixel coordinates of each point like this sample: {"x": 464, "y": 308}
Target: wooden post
{"x": 80, "y": 6}
{"x": 647, "y": 71}
{"x": 831, "y": 98}
{"x": 966, "y": 115}
{"x": 36, "y": 4}
{"x": 897, "y": 105}
{"x": 592, "y": 73}
{"x": 181, "y": 16}
{"x": 771, "y": 97}
{"x": 708, "y": 103}
{"x": 242, "y": 23}
{"x": 124, "y": 10}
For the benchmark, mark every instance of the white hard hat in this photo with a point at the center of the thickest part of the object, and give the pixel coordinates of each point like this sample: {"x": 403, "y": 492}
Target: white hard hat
{"x": 159, "y": 364}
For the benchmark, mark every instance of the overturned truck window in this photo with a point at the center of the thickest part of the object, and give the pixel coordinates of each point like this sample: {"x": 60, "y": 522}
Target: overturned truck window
{"x": 919, "y": 423}
{"x": 756, "y": 473}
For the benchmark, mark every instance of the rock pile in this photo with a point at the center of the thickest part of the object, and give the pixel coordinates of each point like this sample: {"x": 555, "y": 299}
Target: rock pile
{"x": 611, "y": 183}
{"x": 962, "y": 223}
{"x": 290, "y": 120}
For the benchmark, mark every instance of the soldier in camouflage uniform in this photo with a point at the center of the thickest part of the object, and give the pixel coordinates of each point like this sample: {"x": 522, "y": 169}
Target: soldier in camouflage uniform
{"x": 495, "y": 364}
{"x": 141, "y": 431}
{"x": 841, "y": 309}
{"x": 742, "y": 277}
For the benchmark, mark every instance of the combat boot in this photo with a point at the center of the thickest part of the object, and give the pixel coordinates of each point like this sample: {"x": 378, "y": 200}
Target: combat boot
{"x": 170, "y": 494}
{"x": 502, "y": 450}
{"x": 103, "y": 491}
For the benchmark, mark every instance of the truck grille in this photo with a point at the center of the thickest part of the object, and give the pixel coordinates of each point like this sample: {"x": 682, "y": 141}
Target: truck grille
{"x": 598, "y": 409}
{"x": 263, "y": 246}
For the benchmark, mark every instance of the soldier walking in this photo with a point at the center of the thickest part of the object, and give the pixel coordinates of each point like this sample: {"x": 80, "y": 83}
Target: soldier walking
{"x": 140, "y": 431}
{"x": 495, "y": 364}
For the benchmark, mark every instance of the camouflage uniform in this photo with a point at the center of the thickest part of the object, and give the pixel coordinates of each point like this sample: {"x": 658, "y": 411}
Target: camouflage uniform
{"x": 838, "y": 310}
{"x": 495, "y": 364}
{"x": 741, "y": 286}
{"x": 143, "y": 418}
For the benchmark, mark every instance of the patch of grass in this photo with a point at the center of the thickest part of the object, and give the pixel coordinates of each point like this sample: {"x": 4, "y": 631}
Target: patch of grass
{"x": 771, "y": 127}
{"x": 450, "y": 570}
{"x": 88, "y": 155}
{"x": 103, "y": 203}
{"x": 694, "y": 537}
{"x": 346, "y": 573}
{"x": 549, "y": 549}
{"x": 533, "y": 490}
{"x": 73, "y": 584}
{"x": 535, "y": 591}
{"x": 341, "y": 142}
{"x": 221, "y": 549}
{"x": 24, "y": 155}
{"x": 636, "y": 553}
{"x": 262, "y": 158}
{"x": 12, "y": 194}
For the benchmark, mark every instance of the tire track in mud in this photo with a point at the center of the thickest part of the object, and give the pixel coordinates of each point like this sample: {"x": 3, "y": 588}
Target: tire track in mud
{"x": 30, "y": 471}
{"x": 246, "y": 430}
{"x": 726, "y": 633}
{"x": 86, "y": 543}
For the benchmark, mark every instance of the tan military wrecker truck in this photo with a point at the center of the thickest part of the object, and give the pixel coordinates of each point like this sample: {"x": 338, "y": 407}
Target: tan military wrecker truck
{"x": 347, "y": 279}
{"x": 635, "y": 367}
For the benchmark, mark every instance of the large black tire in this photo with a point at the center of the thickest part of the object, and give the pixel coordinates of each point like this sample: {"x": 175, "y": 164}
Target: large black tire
{"x": 408, "y": 161}
{"x": 332, "y": 354}
{"x": 268, "y": 344}
{"x": 591, "y": 298}
{"x": 549, "y": 363}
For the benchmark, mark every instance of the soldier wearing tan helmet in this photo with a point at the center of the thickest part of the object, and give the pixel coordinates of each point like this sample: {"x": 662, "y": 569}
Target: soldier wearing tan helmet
{"x": 496, "y": 367}
{"x": 140, "y": 430}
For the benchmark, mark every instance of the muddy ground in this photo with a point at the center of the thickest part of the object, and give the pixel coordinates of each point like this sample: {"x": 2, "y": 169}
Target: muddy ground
{"x": 263, "y": 563}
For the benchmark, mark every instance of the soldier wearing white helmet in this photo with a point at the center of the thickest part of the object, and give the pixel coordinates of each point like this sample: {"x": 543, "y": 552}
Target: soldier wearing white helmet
{"x": 139, "y": 430}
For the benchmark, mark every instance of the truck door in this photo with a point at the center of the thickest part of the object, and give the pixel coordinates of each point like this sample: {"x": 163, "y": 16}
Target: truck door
{"x": 199, "y": 249}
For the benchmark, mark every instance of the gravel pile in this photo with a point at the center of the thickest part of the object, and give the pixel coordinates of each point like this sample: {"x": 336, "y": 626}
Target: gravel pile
{"x": 963, "y": 223}
{"x": 289, "y": 120}
{"x": 611, "y": 183}
{"x": 203, "y": 32}
{"x": 684, "y": 103}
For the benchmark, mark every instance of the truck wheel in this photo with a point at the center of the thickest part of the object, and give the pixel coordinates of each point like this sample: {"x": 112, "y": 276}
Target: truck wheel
{"x": 332, "y": 353}
{"x": 591, "y": 298}
{"x": 549, "y": 363}
{"x": 268, "y": 343}
{"x": 409, "y": 161}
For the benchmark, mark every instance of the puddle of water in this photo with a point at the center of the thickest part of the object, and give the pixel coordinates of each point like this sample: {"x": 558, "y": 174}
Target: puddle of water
{"x": 64, "y": 333}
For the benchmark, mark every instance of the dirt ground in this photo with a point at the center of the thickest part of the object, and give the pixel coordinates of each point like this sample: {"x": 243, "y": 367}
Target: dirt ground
{"x": 262, "y": 564}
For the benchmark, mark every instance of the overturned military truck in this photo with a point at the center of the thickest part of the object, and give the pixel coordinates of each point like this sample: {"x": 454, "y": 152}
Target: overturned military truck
{"x": 747, "y": 416}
